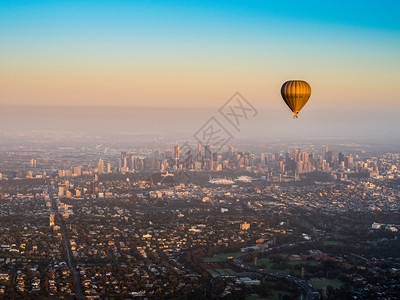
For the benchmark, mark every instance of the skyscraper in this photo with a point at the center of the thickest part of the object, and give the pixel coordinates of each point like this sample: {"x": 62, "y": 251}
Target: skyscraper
{"x": 341, "y": 157}
{"x": 33, "y": 163}
{"x": 329, "y": 157}
{"x": 176, "y": 154}
{"x": 207, "y": 152}
{"x": 199, "y": 153}
{"x": 100, "y": 166}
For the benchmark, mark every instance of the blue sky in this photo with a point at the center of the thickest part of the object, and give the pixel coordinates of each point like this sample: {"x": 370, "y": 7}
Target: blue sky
{"x": 193, "y": 53}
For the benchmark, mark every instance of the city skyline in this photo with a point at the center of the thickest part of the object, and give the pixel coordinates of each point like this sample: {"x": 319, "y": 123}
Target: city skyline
{"x": 307, "y": 221}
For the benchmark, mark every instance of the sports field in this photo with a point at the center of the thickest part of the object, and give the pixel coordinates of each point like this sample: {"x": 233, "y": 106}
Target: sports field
{"x": 321, "y": 283}
{"x": 222, "y": 257}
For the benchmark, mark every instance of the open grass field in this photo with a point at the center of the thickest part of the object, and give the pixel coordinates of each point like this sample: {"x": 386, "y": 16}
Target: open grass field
{"x": 288, "y": 272}
{"x": 267, "y": 263}
{"x": 222, "y": 257}
{"x": 341, "y": 236}
{"x": 226, "y": 271}
{"x": 320, "y": 284}
{"x": 274, "y": 296}
{"x": 303, "y": 262}
{"x": 212, "y": 272}
{"x": 264, "y": 262}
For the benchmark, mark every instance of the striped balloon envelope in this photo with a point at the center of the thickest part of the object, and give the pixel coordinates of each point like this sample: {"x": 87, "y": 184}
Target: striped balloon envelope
{"x": 296, "y": 93}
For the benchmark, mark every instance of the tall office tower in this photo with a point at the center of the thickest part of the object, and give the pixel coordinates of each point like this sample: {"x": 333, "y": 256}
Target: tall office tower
{"x": 152, "y": 163}
{"x": 218, "y": 159}
{"x": 52, "y": 219}
{"x": 108, "y": 167}
{"x": 207, "y": 152}
{"x": 130, "y": 164}
{"x": 77, "y": 171}
{"x": 299, "y": 167}
{"x": 329, "y": 157}
{"x": 296, "y": 153}
{"x": 209, "y": 164}
{"x": 100, "y": 166}
{"x": 326, "y": 149}
{"x": 246, "y": 159}
{"x": 93, "y": 188}
{"x": 312, "y": 156}
{"x": 304, "y": 157}
{"x": 199, "y": 153}
{"x": 325, "y": 166}
{"x": 123, "y": 163}
{"x": 281, "y": 167}
{"x": 33, "y": 163}
{"x": 231, "y": 152}
{"x": 262, "y": 159}
{"x": 176, "y": 153}
{"x": 188, "y": 159}
{"x": 341, "y": 157}
{"x": 156, "y": 155}
{"x": 350, "y": 161}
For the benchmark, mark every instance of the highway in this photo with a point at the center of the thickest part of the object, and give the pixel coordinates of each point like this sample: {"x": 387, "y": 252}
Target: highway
{"x": 78, "y": 284}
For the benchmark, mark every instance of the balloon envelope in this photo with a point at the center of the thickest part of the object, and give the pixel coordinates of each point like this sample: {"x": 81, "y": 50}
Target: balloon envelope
{"x": 296, "y": 93}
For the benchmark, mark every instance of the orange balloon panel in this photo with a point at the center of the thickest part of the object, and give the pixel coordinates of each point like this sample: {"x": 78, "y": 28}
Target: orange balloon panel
{"x": 296, "y": 93}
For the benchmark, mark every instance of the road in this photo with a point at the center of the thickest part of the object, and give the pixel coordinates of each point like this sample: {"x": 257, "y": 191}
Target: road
{"x": 78, "y": 284}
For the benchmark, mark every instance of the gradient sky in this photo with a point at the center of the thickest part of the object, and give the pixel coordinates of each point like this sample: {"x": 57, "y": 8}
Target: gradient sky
{"x": 198, "y": 53}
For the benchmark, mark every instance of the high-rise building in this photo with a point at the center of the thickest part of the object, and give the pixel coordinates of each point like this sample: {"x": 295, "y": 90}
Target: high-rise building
{"x": 341, "y": 157}
{"x": 207, "y": 152}
{"x": 100, "y": 166}
{"x": 350, "y": 161}
{"x": 281, "y": 167}
{"x": 329, "y": 157}
{"x": 123, "y": 162}
{"x": 231, "y": 152}
{"x": 131, "y": 162}
{"x": 299, "y": 167}
{"x": 176, "y": 154}
{"x": 108, "y": 167}
{"x": 199, "y": 153}
{"x": 33, "y": 163}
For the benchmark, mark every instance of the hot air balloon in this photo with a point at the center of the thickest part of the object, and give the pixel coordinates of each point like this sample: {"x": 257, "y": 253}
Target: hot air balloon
{"x": 296, "y": 93}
